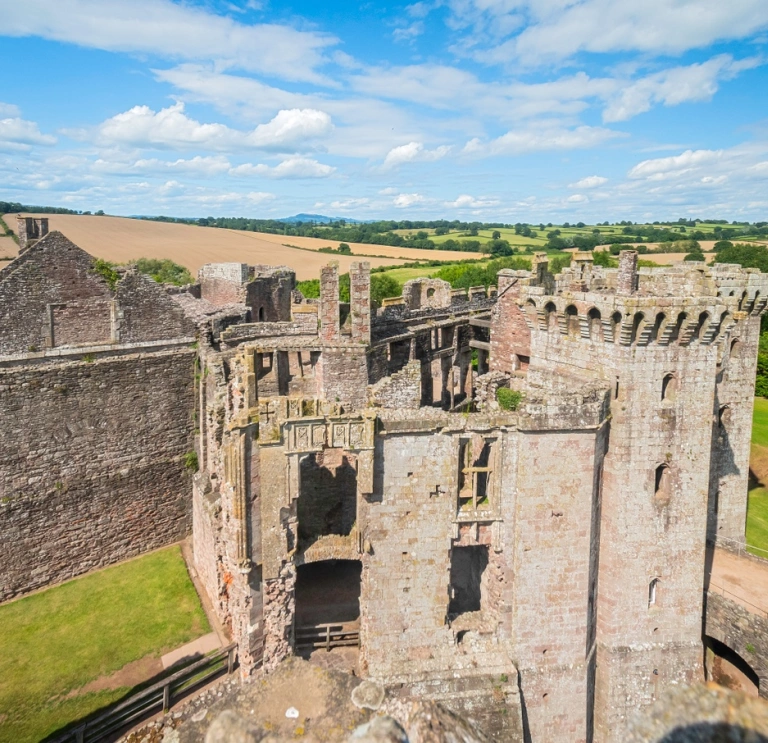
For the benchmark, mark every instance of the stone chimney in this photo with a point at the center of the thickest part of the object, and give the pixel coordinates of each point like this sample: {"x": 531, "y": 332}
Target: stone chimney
{"x": 626, "y": 282}
{"x": 30, "y": 230}
{"x": 360, "y": 301}
{"x": 329, "y": 302}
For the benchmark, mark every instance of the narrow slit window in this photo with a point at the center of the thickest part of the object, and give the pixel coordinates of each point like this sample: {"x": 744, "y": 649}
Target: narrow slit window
{"x": 652, "y": 588}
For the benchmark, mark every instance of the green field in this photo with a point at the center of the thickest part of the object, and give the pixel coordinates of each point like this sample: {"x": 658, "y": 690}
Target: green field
{"x": 54, "y": 642}
{"x": 757, "y": 508}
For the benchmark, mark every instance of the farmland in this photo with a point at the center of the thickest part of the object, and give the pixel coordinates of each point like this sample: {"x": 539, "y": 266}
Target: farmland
{"x": 120, "y": 239}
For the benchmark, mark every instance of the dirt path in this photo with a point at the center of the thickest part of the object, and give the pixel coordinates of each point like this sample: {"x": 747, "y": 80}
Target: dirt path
{"x": 741, "y": 579}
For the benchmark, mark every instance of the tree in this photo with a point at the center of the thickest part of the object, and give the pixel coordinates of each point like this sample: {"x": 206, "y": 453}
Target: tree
{"x": 344, "y": 249}
{"x": 722, "y": 245}
{"x": 500, "y": 247}
{"x": 384, "y": 286}
{"x": 496, "y": 235}
{"x": 748, "y": 256}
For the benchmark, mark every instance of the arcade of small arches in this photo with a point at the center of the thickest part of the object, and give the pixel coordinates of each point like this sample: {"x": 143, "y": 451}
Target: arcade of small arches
{"x": 626, "y": 329}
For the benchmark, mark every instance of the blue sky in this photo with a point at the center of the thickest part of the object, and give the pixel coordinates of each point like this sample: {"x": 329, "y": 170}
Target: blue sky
{"x": 498, "y": 110}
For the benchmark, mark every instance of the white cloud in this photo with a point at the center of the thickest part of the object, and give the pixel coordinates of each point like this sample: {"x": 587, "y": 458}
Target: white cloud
{"x": 577, "y": 198}
{"x": 413, "y": 152}
{"x": 294, "y": 167}
{"x": 696, "y": 82}
{"x": 557, "y": 29}
{"x": 171, "y": 30}
{"x": 198, "y": 165}
{"x": 540, "y": 140}
{"x": 9, "y": 110}
{"x": 349, "y": 203}
{"x": 405, "y": 200}
{"x": 465, "y": 201}
{"x": 591, "y": 181}
{"x": 409, "y": 33}
{"x": 18, "y": 134}
{"x": 172, "y": 128}
{"x": 665, "y": 167}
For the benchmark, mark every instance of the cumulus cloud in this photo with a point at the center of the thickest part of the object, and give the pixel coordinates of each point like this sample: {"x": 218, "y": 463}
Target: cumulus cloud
{"x": 413, "y": 152}
{"x": 404, "y": 200}
{"x": 18, "y": 134}
{"x": 540, "y": 140}
{"x": 591, "y": 181}
{"x": 293, "y": 167}
{"x": 171, "y": 30}
{"x": 9, "y": 110}
{"x": 171, "y": 128}
{"x": 577, "y": 198}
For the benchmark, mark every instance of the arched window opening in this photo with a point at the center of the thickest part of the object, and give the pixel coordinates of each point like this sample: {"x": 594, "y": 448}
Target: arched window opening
{"x": 733, "y": 292}
{"x": 658, "y": 326}
{"x": 595, "y": 324}
{"x": 701, "y": 326}
{"x": 430, "y": 293}
{"x": 616, "y": 319}
{"x": 530, "y": 311}
{"x": 735, "y": 349}
{"x": 652, "y": 591}
{"x": 261, "y": 314}
{"x": 572, "y": 318}
{"x": 669, "y": 388}
{"x": 550, "y": 315}
{"x": 637, "y": 326}
{"x": 755, "y": 302}
{"x": 681, "y": 318}
{"x": 663, "y": 485}
{"x": 742, "y": 300}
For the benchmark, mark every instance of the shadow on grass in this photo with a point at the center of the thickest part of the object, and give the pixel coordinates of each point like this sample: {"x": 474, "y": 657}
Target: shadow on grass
{"x": 68, "y": 732}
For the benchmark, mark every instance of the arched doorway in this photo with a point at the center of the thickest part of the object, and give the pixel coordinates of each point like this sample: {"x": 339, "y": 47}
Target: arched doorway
{"x": 727, "y": 668}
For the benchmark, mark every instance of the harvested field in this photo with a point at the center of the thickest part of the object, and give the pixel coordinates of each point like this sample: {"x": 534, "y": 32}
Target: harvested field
{"x": 121, "y": 239}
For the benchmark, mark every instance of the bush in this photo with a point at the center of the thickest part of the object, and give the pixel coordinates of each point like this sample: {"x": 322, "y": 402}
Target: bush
{"x": 508, "y": 399}
{"x": 384, "y": 286}
{"x": 190, "y": 461}
{"x": 164, "y": 271}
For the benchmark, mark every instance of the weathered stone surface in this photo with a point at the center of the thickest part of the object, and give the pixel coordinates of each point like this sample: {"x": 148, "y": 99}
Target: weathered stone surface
{"x": 382, "y": 729}
{"x": 701, "y": 714}
{"x": 368, "y": 695}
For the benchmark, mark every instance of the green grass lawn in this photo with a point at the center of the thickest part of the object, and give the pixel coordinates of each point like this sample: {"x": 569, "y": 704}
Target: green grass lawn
{"x": 760, "y": 422}
{"x": 757, "y": 505}
{"x": 56, "y": 641}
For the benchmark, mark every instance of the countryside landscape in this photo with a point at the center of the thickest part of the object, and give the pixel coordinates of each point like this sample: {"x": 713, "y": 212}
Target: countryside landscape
{"x": 383, "y": 372}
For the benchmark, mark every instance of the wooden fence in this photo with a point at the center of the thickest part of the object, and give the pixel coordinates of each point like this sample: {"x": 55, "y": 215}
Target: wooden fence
{"x": 327, "y": 636}
{"x": 157, "y": 697}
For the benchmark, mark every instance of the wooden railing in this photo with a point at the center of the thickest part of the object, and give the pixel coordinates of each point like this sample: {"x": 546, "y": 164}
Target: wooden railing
{"x": 327, "y": 636}
{"x": 155, "y": 698}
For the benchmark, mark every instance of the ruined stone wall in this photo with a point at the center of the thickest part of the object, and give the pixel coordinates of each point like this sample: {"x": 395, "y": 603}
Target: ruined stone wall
{"x": 147, "y": 313}
{"x": 269, "y": 297}
{"x": 510, "y": 335}
{"x": 401, "y": 390}
{"x": 92, "y": 462}
{"x": 53, "y": 276}
{"x": 732, "y": 433}
{"x": 342, "y": 374}
{"x": 551, "y": 539}
{"x": 223, "y": 283}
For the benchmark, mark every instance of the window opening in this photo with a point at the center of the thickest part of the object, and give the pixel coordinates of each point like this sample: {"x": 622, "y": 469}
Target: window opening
{"x": 475, "y": 470}
{"x": 663, "y": 488}
{"x": 572, "y": 317}
{"x": 467, "y": 567}
{"x": 595, "y": 324}
{"x": 261, "y": 314}
{"x": 616, "y": 319}
{"x": 669, "y": 388}
{"x": 652, "y": 591}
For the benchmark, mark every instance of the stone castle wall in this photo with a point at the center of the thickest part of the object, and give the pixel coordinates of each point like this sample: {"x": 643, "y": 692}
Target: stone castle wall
{"x": 101, "y": 445}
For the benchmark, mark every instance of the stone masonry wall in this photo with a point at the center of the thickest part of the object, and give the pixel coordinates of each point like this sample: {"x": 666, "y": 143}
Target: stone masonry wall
{"x": 99, "y": 445}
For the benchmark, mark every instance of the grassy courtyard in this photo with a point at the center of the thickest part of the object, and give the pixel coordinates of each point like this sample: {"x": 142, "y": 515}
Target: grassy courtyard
{"x": 60, "y": 640}
{"x": 757, "y": 509}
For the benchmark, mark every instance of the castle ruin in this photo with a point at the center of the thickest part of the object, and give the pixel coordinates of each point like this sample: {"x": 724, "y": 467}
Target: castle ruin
{"x": 536, "y": 564}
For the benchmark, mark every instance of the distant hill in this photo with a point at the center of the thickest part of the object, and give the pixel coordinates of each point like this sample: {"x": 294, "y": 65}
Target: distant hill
{"x": 319, "y": 219}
